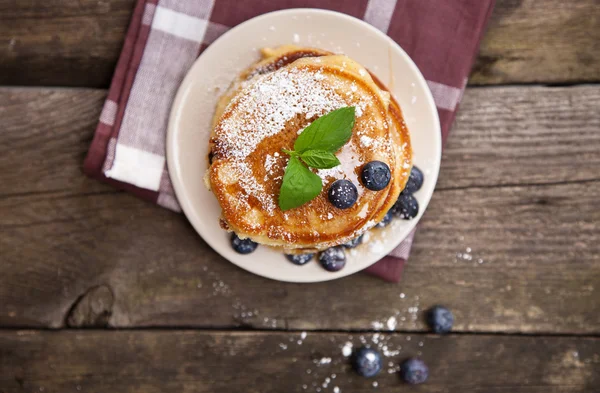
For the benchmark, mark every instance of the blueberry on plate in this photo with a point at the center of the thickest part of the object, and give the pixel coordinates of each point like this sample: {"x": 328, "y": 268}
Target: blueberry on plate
{"x": 386, "y": 220}
{"x": 242, "y": 246}
{"x": 406, "y": 206}
{"x": 342, "y": 194}
{"x": 333, "y": 259}
{"x": 415, "y": 181}
{"x": 367, "y": 362}
{"x": 299, "y": 259}
{"x": 375, "y": 175}
{"x": 414, "y": 371}
{"x": 440, "y": 319}
{"x": 354, "y": 242}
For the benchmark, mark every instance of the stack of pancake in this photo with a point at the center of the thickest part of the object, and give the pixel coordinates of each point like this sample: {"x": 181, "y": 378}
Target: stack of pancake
{"x": 264, "y": 111}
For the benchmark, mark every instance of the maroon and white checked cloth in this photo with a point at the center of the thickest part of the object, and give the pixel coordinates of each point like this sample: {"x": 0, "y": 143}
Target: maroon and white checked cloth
{"x": 166, "y": 36}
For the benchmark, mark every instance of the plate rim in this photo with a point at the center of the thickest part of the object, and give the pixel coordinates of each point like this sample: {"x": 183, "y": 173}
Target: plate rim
{"x": 186, "y": 204}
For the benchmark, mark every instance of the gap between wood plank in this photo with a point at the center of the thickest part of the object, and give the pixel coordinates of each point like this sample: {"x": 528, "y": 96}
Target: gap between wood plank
{"x": 235, "y": 329}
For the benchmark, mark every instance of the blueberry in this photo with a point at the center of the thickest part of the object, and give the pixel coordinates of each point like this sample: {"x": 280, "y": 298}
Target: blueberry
{"x": 242, "y": 246}
{"x": 354, "y": 242}
{"x": 386, "y": 220}
{"x": 333, "y": 259}
{"x": 415, "y": 181}
{"x": 342, "y": 194}
{"x": 414, "y": 371}
{"x": 375, "y": 175}
{"x": 299, "y": 259}
{"x": 440, "y": 319}
{"x": 406, "y": 206}
{"x": 367, "y": 362}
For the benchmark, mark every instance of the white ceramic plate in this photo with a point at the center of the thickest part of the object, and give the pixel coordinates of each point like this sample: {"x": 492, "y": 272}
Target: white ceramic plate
{"x": 189, "y": 126}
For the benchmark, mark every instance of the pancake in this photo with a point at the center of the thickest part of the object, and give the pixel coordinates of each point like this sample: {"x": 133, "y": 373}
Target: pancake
{"x": 273, "y": 59}
{"x": 264, "y": 110}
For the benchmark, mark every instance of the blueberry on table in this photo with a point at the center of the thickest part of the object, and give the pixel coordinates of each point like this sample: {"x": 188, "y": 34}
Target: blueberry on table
{"x": 415, "y": 181}
{"x": 440, "y": 319}
{"x": 333, "y": 259}
{"x": 299, "y": 259}
{"x": 342, "y": 194}
{"x": 406, "y": 206}
{"x": 354, "y": 242}
{"x": 242, "y": 246}
{"x": 386, "y": 220}
{"x": 367, "y": 362}
{"x": 375, "y": 175}
{"x": 414, "y": 371}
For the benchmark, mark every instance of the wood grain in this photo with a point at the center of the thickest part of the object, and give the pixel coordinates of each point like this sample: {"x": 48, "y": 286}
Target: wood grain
{"x": 502, "y": 136}
{"x": 45, "y": 136}
{"x": 195, "y": 361}
{"x": 523, "y": 135}
{"x": 65, "y": 43}
{"x": 539, "y": 270}
{"x": 61, "y": 43}
{"x": 63, "y": 234}
{"x": 548, "y": 41}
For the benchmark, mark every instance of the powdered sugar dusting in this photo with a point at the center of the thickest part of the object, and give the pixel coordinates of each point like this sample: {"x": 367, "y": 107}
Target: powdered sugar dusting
{"x": 326, "y": 174}
{"x": 348, "y": 157}
{"x": 269, "y": 162}
{"x": 365, "y": 141}
{"x": 269, "y": 103}
{"x": 377, "y": 325}
{"x": 363, "y": 211}
{"x": 373, "y": 143}
{"x": 347, "y": 349}
{"x": 360, "y": 108}
{"x": 254, "y": 188}
{"x": 391, "y": 323}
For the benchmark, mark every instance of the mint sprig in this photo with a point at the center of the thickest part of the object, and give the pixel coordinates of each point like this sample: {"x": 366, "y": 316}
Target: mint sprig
{"x": 314, "y": 147}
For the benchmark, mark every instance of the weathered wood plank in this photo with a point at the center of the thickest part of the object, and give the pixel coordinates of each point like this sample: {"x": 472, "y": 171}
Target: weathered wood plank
{"x": 176, "y": 361}
{"x": 524, "y": 135}
{"x": 77, "y": 44}
{"x": 45, "y": 136}
{"x": 539, "y": 272}
{"x": 548, "y": 41}
{"x": 61, "y": 43}
{"x": 502, "y": 136}
{"x": 64, "y": 235}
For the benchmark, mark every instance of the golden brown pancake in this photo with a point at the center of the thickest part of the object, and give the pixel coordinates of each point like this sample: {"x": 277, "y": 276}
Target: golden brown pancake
{"x": 263, "y": 112}
{"x": 273, "y": 59}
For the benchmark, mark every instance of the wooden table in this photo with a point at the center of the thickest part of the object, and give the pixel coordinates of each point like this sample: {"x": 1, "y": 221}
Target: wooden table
{"x": 101, "y": 292}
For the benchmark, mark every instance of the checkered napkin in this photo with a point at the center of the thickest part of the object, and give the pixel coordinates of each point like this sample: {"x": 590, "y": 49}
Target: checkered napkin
{"x": 166, "y": 36}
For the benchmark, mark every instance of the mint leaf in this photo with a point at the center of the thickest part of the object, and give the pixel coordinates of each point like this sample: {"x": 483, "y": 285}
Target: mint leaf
{"x": 320, "y": 159}
{"x": 328, "y": 132}
{"x": 299, "y": 185}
